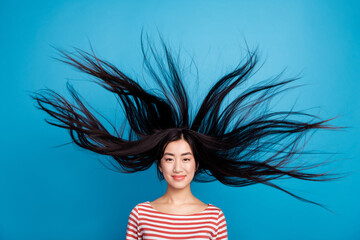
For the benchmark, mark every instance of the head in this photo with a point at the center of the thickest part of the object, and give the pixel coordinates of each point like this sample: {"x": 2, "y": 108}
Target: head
{"x": 177, "y": 163}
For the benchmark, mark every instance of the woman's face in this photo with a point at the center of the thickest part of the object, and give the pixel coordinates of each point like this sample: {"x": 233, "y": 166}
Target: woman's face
{"x": 178, "y": 164}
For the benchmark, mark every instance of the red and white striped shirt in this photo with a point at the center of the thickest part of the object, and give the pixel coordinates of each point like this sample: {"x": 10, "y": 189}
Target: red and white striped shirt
{"x": 147, "y": 223}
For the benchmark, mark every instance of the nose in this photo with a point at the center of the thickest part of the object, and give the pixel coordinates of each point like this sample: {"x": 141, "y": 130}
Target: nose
{"x": 177, "y": 166}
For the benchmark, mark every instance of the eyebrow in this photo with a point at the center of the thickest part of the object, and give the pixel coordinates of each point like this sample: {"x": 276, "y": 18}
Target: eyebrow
{"x": 183, "y": 154}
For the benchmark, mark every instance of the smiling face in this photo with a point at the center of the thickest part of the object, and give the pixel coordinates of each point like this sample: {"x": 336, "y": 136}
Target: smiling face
{"x": 178, "y": 164}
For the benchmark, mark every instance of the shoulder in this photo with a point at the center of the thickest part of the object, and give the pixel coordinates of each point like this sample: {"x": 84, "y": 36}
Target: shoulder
{"x": 217, "y": 210}
{"x": 140, "y": 206}
{"x": 213, "y": 207}
{"x": 135, "y": 212}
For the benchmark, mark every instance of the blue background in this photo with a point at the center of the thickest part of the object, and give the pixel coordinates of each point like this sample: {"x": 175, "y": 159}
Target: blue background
{"x": 66, "y": 193}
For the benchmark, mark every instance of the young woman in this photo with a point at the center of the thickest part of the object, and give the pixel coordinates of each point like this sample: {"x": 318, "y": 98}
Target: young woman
{"x": 178, "y": 214}
{"x": 240, "y": 143}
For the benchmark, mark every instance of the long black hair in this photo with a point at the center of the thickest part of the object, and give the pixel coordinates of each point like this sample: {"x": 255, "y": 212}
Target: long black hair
{"x": 240, "y": 143}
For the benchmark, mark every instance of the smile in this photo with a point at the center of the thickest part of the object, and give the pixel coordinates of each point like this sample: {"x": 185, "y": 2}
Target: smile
{"x": 179, "y": 177}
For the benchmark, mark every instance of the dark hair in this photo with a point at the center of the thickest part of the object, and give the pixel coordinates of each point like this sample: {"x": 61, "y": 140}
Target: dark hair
{"x": 239, "y": 144}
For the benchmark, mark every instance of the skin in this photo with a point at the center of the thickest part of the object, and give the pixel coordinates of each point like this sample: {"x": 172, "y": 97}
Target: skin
{"x": 178, "y": 160}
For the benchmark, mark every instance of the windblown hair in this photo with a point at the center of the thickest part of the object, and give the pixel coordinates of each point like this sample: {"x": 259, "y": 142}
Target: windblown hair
{"x": 239, "y": 144}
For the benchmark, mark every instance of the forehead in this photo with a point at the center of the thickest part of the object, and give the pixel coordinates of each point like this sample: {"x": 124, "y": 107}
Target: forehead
{"x": 178, "y": 147}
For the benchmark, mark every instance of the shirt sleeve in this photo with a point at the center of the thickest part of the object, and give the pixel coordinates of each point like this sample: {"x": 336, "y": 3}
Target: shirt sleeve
{"x": 221, "y": 230}
{"x": 132, "y": 230}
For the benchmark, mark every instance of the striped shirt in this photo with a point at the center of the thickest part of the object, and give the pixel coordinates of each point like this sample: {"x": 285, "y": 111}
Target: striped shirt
{"x": 146, "y": 223}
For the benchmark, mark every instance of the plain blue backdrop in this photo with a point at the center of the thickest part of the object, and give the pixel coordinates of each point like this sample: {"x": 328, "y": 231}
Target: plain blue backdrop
{"x": 66, "y": 193}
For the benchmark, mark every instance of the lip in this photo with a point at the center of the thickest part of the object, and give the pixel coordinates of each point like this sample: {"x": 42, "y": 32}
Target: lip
{"x": 179, "y": 177}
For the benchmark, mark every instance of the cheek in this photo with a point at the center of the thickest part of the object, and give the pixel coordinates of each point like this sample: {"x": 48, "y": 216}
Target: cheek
{"x": 191, "y": 168}
{"x": 165, "y": 168}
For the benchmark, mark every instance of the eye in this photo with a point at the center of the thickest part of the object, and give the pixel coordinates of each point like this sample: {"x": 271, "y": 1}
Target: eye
{"x": 168, "y": 159}
{"x": 187, "y": 159}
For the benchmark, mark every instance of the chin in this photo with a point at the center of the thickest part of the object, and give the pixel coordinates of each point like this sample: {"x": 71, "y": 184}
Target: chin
{"x": 174, "y": 186}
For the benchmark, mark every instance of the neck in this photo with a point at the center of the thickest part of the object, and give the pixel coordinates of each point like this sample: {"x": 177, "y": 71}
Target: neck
{"x": 178, "y": 196}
